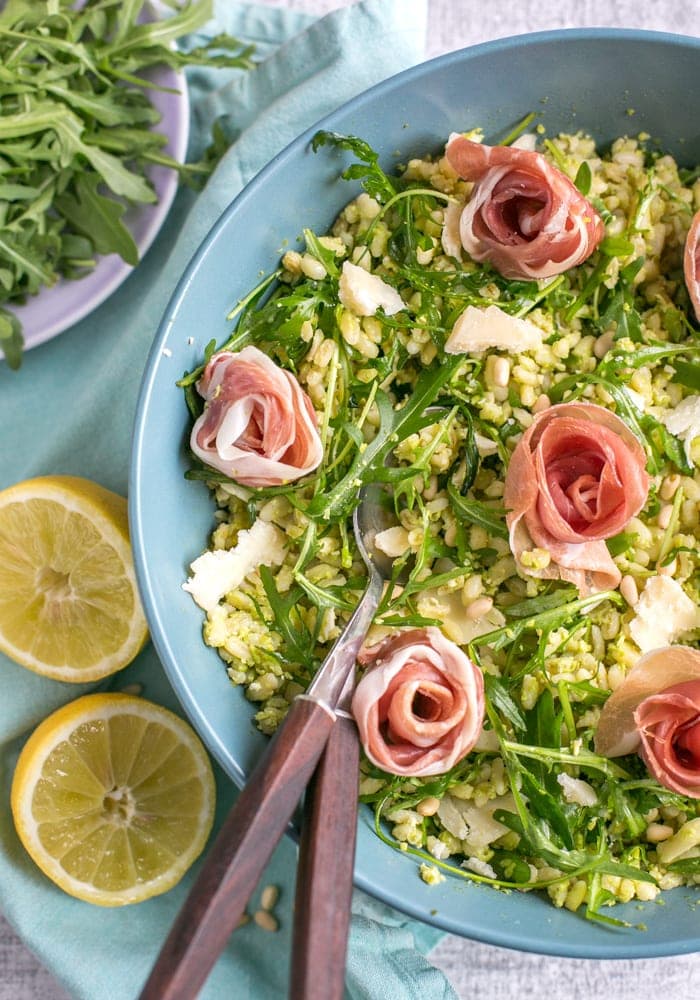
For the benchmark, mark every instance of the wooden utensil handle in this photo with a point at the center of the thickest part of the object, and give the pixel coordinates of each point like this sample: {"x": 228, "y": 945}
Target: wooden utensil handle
{"x": 325, "y": 870}
{"x": 238, "y": 857}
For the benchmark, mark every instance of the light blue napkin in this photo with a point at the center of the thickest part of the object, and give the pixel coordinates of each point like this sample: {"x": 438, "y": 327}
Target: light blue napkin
{"x": 70, "y": 409}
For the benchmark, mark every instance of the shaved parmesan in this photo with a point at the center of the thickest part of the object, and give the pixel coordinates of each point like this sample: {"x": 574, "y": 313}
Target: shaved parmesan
{"x": 363, "y": 293}
{"x": 684, "y": 422}
{"x": 479, "y": 329}
{"x": 451, "y": 613}
{"x": 663, "y": 612}
{"x": 393, "y": 541}
{"x": 576, "y": 791}
{"x": 216, "y": 573}
{"x": 450, "y": 239}
{"x": 471, "y": 823}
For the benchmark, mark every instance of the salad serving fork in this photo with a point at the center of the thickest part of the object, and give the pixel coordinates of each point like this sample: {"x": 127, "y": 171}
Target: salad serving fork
{"x": 317, "y": 728}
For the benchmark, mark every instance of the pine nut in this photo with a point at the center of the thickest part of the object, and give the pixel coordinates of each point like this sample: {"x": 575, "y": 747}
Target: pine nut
{"x": 669, "y": 486}
{"x": 542, "y": 402}
{"x": 478, "y": 608}
{"x": 664, "y": 516}
{"x": 628, "y": 589}
{"x": 473, "y": 588}
{"x": 265, "y": 920}
{"x": 269, "y": 897}
{"x": 501, "y": 372}
{"x": 312, "y": 268}
{"x": 656, "y": 832}
{"x": 669, "y": 569}
{"x": 245, "y": 919}
{"x": 428, "y": 807}
{"x": 603, "y": 344}
{"x": 134, "y": 688}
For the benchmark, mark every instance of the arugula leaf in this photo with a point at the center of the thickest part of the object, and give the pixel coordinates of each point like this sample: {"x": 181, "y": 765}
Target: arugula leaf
{"x": 375, "y": 182}
{"x": 297, "y": 637}
{"x": 11, "y": 339}
{"x": 98, "y": 217}
{"x": 583, "y": 178}
{"x": 499, "y": 697}
{"x": 687, "y": 374}
{"x": 394, "y": 425}
{"x": 476, "y": 512}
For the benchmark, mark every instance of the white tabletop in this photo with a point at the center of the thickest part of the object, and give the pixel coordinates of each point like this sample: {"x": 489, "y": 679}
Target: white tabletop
{"x": 474, "y": 969}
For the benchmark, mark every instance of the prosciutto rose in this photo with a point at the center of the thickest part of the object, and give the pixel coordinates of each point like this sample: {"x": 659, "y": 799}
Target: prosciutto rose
{"x": 656, "y": 712}
{"x": 523, "y": 216}
{"x": 576, "y": 477}
{"x": 420, "y": 705}
{"x": 691, "y": 264}
{"x": 258, "y": 426}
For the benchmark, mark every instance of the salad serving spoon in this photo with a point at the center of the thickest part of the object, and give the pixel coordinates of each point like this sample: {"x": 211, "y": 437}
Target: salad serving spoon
{"x": 265, "y": 806}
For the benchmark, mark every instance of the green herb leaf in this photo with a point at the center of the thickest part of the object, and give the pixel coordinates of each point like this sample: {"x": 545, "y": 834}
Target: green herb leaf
{"x": 98, "y": 217}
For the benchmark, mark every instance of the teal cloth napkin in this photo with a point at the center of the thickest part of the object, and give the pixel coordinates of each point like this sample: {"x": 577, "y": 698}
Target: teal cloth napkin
{"x": 70, "y": 409}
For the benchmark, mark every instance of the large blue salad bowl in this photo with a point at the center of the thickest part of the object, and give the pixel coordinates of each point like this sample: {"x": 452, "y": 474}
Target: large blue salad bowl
{"x": 607, "y": 82}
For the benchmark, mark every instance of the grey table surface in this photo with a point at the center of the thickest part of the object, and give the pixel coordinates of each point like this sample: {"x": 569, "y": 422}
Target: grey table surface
{"x": 475, "y": 969}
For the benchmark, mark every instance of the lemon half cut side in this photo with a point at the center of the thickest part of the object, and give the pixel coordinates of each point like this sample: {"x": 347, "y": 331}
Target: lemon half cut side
{"x": 69, "y": 603}
{"x": 113, "y": 797}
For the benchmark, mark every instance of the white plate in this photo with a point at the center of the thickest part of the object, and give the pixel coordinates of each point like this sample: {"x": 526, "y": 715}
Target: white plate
{"x": 54, "y": 309}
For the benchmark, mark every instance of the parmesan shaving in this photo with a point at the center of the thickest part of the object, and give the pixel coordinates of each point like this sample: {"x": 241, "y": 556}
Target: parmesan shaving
{"x": 663, "y": 612}
{"x": 216, "y": 573}
{"x": 477, "y": 330}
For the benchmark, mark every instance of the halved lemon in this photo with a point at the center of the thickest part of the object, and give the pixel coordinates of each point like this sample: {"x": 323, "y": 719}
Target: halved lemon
{"x": 69, "y": 605}
{"x": 113, "y": 797}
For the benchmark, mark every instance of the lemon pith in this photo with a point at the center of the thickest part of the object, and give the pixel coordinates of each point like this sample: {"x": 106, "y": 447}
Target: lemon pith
{"x": 113, "y": 798}
{"x": 69, "y": 604}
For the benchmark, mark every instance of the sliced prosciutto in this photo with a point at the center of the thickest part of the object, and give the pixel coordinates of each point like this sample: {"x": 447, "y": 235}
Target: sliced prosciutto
{"x": 669, "y": 728}
{"x": 656, "y": 712}
{"x": 691, "y": 264}
{"x": 524, "y": 216}
{"x": 419, "y": 707}
{"x": 258, "y": 426}
{"x": 576, "y": 477}
{"x": 617, "y": 732}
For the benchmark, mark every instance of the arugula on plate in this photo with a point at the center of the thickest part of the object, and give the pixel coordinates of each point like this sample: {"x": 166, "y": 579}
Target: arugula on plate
{"x": 78, "y": 133}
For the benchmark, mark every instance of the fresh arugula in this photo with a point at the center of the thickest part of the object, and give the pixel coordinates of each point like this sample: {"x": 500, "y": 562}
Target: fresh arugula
{"x": 78, "y": 133}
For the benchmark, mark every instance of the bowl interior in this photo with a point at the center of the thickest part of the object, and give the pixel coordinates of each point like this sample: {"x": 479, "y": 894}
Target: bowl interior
{"x": 606, "y": 82}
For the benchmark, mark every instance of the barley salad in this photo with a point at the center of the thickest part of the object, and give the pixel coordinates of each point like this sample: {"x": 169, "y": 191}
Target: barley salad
{"x": 392, "y": 312}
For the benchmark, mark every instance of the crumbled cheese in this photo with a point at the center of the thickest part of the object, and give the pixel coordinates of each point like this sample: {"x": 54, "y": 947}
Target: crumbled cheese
{"x": 393, "y": 542}
{"x": 663, "y": 612}
{"x": 438, "y": 849}
{"x": 474, "y": 824}
{"x": 576, "y": 791}
{"x": 684, "y": 422}
{"x": 477, "y": 330}
{"x": 479, "y": 867}
{"x": 363, "y": 293}
{"x": 431, "y": 875}
{"x": 216, "y": 573}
